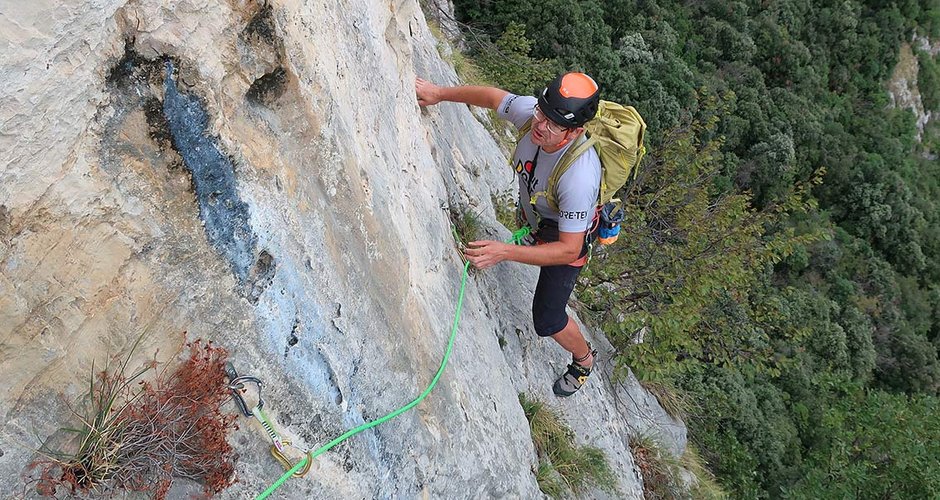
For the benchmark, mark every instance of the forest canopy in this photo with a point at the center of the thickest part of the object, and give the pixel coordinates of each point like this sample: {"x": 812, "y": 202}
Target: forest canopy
{"x": 783, "y": 246}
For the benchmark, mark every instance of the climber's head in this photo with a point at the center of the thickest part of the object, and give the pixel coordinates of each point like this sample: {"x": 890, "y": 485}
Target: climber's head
{"x": 568, "y": 102}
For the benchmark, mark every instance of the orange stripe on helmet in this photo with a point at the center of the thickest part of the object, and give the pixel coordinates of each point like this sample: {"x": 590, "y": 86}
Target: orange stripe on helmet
{"x": 577, "y": 85}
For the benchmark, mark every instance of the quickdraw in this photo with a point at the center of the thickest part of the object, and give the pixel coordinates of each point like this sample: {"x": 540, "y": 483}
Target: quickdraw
{"x": 237, "y": 384}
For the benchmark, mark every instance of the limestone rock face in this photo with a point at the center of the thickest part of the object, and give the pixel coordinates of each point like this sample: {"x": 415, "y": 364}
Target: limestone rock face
{"x": 260, "y": 175}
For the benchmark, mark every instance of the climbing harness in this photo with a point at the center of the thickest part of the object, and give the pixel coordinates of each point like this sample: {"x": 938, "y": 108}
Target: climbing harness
{"x": 238, "y": 385}
{"x": 304, "y": 464}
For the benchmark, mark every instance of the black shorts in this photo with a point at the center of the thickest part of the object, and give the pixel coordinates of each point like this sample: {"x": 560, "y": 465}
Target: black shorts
{"x": 551, "y": 297}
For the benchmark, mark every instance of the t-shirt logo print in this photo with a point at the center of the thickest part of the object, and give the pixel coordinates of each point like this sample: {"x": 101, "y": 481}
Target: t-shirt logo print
{"x": 527, "y": 172}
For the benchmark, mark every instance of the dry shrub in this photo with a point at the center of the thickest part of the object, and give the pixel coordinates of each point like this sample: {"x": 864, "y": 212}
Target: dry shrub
{"x": 141, "y": 435}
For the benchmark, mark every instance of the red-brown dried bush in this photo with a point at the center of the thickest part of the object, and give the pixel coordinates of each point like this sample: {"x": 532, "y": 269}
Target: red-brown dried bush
{"x": 140, "y": 435}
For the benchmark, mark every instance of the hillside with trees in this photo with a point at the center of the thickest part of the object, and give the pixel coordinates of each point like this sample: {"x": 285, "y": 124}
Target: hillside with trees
{"x": 781, "y": 258}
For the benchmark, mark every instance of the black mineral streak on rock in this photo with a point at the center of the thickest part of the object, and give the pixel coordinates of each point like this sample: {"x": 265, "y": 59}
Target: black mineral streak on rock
{"x": 225, "y": 215}
{"x": 157, "y": 123}
{"x": 134, "y": 77}
{"x": 134, "y": 68}
{"x": 178, "y": 120}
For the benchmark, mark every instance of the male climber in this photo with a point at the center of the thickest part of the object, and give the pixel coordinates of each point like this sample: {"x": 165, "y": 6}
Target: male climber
{"x": 557, "y": 115}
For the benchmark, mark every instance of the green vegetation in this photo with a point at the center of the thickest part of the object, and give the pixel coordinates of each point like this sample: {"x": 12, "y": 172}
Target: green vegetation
{"x": 508, "y": 62}
{"x": 505, "y": 207}
{"x": 781, "y": 253}
{"x": 466, "y": 226}
{"x": 563, "y": 466}
{"x": 704, "y": 486}
{"x": 882, "y": 444}
{"x": 694, "y": 260}
{"x": 928, "y": 81}
{"x": 549, "y": 481}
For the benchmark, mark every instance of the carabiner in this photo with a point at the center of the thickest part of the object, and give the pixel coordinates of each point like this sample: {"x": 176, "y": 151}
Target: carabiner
{"x": 283, "y": 460}
{"x": 236, "y": 384}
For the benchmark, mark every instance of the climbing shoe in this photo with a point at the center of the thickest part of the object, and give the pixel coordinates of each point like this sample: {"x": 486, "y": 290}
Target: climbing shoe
{"x": 575, "y": 377}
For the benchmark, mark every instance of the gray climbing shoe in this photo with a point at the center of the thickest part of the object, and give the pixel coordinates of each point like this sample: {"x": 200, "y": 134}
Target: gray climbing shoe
{"x": 572, "y": 380}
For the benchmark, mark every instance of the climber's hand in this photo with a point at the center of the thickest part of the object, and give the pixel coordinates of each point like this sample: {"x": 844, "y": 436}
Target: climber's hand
{"x": 427, "y": 92}
{"x": 485, "y": 253}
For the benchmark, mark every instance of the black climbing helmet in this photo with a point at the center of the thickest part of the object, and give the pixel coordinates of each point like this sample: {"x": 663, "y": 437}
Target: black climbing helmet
{"x": 570, "y": 100}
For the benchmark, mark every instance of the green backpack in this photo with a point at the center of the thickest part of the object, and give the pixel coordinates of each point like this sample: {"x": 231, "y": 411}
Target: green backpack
{"x": 616, "y": 133}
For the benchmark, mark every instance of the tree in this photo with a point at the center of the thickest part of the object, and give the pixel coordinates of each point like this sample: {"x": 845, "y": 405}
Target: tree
{"x": 507, "y": 62}
{"x": 874, "y": 445}
{"x": 692, "y": 262}
{"x": 928, "y": 81}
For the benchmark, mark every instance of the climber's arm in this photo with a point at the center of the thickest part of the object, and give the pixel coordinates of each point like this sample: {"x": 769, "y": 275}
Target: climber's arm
{"x": 485, "y": 97}
{"x": 483, "y": 254}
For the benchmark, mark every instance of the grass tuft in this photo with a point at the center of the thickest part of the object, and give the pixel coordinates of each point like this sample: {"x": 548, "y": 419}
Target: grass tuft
{"x": 549, "y": 480}
{"x": 466, "y": 226}
{"x": 660, "y": 470}
{"x": 563, "y": 466}
{"x": 673, "y": 400}
{"x": 704, "y": 486}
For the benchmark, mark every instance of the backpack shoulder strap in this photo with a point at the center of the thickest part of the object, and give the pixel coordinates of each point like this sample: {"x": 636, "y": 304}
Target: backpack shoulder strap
{"x": 564, "y": 163}
{"x": 523, "y": 130}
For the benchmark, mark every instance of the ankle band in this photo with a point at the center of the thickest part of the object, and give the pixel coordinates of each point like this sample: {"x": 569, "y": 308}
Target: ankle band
{"x": 585, "y": 357}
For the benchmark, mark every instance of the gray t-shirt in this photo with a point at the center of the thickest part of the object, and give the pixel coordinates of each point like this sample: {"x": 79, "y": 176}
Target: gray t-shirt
{"x": 577, "y": 188}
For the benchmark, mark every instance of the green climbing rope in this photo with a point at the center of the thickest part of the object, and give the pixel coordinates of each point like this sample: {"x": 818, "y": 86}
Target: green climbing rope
{"x": 517, "y": 236}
